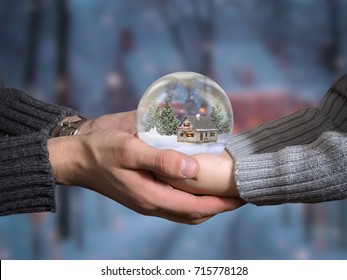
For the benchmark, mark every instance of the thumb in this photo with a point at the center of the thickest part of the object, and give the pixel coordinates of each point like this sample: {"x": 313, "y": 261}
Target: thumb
{"x": 168, "y": 163}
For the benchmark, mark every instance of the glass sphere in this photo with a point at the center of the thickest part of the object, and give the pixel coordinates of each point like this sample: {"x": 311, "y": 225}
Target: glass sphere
{"x": 187, "y": 112}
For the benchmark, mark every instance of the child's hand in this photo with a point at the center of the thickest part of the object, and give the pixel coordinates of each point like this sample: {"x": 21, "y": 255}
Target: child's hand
{"x": 215, "y": 177}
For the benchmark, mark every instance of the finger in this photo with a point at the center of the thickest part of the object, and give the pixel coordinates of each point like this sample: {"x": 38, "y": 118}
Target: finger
{"x": 194, "y": 217}
{"x": 161, "y": 200}
{"x": 160, "y": 209}
{"x": 164, "y": 162}
{"x": 211, "y": 205}
{"x": 187, "y": 185}
{"x": 174, "y": 217}
{"x": 186, "y": 221}
{"x": 193, "y": 207}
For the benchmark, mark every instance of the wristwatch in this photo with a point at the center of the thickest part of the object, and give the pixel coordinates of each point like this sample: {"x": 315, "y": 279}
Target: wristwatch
{"x": 68, "y": 126}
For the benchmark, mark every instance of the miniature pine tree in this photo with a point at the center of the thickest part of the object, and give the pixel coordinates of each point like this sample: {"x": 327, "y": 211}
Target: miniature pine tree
{"x": 153, "y": 117}
{"x": 167, "y": 122}
{"x": 226, "y": 127}
{"x": 220, "y": 118}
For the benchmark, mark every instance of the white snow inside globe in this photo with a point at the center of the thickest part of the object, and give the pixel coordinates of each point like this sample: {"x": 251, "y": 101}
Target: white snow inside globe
{"x": 187, "y": 112}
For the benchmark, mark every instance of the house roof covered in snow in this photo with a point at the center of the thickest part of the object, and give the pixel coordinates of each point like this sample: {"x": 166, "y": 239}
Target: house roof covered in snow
{"x": 201, "y": 123}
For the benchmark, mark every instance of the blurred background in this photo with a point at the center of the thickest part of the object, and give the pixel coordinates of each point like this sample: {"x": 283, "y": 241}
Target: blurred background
{"x": 272, "y": 57}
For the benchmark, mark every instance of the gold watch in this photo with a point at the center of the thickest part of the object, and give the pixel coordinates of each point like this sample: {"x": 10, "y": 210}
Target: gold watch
{"x": 68, "y": 126}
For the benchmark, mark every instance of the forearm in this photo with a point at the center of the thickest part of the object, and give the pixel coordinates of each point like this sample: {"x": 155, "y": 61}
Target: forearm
{"x": 300, "y": 128}
{"x": 30, "y": 166}
{"x": 303, "y": 127}
{"x": 307, "y": 173}
{"x": 22, "y": 114}
{"x": 299, "y": 158}
{"x": 26, "y": 181}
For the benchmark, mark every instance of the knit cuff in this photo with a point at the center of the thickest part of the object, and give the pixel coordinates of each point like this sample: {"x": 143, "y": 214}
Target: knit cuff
{"x": 308, "y": 173}
{"x": 22, "y": 114}
{"x": 26, "y": 181}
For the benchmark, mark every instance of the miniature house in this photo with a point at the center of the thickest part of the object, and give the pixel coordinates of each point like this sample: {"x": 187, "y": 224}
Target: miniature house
{"x": 197, "y": 129}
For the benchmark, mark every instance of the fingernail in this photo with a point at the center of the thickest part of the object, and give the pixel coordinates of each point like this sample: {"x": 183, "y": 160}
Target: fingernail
{"x": 188, "y": 167}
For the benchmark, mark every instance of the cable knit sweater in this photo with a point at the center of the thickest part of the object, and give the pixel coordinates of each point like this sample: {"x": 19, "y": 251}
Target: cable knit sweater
{"x": 299, "y": 158}
{"x": 26, "y": 180}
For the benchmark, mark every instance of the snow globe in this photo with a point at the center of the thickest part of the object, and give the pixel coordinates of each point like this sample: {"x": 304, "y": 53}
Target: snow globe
{"x": 187, "y": 112}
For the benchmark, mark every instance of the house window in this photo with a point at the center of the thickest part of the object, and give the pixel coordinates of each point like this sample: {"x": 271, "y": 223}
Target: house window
{"x": 190, "y": 134}
{"x": 212, "y": 134}
{"x": 205, "y": 134}
{"x": 181, "y": 134}
{"x": 186, "y": 124}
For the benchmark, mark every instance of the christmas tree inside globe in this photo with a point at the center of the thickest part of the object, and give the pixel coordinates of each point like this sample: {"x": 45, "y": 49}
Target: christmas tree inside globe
{"x": 187, "y": 112}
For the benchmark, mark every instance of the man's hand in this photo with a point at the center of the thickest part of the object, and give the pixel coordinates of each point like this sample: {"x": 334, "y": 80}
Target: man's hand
{"x": 121, "y": 167}
{"x": 125, "y": 121}
{"x": 215, "y": 177}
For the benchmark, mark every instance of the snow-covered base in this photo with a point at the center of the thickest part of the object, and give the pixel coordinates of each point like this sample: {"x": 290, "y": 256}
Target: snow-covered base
{"x": 170, "y": 142}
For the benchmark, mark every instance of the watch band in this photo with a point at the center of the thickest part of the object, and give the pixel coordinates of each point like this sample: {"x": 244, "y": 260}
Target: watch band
{"x": 68, "y": 126}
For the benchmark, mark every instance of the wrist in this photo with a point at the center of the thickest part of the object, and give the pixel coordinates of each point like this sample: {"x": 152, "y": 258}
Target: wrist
{"x": 230, "y": 171}
{"x": 67, "y": 158}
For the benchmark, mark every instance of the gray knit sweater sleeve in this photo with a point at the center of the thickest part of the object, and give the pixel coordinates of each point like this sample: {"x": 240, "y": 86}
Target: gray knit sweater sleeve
{"x": 26, "y": 181}
{"x": 298, "y": 158}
